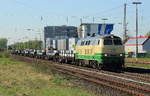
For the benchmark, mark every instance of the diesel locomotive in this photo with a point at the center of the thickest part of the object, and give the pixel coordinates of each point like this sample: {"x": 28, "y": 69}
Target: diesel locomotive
{"x": 104, "y": 51}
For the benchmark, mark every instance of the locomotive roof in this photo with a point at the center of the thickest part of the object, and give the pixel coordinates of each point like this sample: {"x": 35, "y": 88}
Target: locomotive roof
{"x": 98, "y": 37}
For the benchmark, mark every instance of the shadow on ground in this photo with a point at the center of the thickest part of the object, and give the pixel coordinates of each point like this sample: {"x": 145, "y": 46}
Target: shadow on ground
{"x": 136, "y": 70}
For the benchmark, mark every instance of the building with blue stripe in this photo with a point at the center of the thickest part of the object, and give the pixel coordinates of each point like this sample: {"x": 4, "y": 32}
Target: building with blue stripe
{"x": 88, "y": 29}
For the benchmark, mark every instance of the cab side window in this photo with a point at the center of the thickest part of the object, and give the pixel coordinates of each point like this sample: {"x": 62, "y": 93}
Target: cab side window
{"x": 96, "y": 42}
{"x": 117, "y": 42}
{"x": 86, "y": 43}
{"x": 79, "y": 42}
{"x": 89, "y": 42}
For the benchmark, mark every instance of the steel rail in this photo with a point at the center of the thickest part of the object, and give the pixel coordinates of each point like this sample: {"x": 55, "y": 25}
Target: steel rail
{"x": 110, "y": 80}
{"x": 103, "y": 83}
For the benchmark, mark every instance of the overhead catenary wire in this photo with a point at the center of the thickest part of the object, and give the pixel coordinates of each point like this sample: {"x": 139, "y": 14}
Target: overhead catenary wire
{"x": 51, "y": 13}
{"x": 108, "y": 10}
{"x": 97, "y": 16}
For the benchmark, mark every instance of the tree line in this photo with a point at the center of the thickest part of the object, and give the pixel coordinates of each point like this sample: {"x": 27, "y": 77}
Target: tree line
{"x": 3, "y": 44}
{"x": 148, "y": 33}
{"x": 32, "y": 44}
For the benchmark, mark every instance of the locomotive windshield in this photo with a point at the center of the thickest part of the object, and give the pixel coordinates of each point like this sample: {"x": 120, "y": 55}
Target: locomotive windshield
{"x": 112, "y": 41}
{"x": 117, "y": 42}
{"x": 108, "y": 42}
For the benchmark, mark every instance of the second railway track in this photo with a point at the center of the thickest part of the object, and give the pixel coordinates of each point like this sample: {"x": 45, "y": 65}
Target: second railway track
{"x": 126, "y": 87}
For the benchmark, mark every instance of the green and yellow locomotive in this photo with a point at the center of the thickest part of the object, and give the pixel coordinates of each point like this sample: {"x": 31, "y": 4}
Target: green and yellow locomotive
{"x": 104, "y": 51}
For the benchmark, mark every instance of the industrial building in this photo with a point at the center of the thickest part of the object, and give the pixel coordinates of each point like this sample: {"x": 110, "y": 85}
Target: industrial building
{"x": 58, "y": 32}
{"x": 89, "y": 29}
{"x": 143, "y": 46}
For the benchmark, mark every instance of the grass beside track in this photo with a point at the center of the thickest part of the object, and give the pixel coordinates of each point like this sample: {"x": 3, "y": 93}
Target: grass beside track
{"x": 137, "y": 59}
{"x": 145, "y": 66}
{"x": 20, "y": 79}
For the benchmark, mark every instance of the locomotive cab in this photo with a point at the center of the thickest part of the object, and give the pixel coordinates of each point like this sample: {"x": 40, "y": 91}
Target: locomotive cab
{"x": 113, "y": 52}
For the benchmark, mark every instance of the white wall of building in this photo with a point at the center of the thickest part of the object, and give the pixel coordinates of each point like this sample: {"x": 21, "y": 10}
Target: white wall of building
{"x": 146, "y": 46}
{"x": 133, "y": 49}
{"x": 88, "y": 29}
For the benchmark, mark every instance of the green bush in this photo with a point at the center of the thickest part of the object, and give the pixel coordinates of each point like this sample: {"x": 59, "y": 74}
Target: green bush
{"x": 5, "y": 54}
{"x": 1, "y": 55}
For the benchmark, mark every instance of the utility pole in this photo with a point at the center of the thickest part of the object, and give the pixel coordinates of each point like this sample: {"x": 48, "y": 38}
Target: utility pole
{"x": 81, "y": 20}
{"x": 93, "y": 19}
{"x": 125, "y": 23}
{"x": 40, "y": 40}
{"x": 44, "y": 39}
{"x": 136, "y": 3}
{"x": 67, "y": 20}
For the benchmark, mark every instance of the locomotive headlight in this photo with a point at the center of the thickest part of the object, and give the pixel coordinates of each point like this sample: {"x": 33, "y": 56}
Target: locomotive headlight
{"x": 105, "y": 54}
{"x": 121, "y": 54}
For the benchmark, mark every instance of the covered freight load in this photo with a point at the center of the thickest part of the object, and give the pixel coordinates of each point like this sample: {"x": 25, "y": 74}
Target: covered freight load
{"x": 51, "y": 43}
{"x": 71, "y": 43}
{"x": 66, "y": 44}
{"x": 62, "y": 44}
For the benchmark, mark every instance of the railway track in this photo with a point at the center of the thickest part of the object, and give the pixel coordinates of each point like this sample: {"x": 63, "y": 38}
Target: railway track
{"x": 139, "y": 75}
{"x": 129, "y": 88}
{"x": 123, "y": 82}
{"x": 135, "y": 76}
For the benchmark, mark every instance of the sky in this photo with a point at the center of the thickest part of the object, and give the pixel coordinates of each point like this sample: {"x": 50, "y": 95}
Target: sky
{"x": 16, "y": 16}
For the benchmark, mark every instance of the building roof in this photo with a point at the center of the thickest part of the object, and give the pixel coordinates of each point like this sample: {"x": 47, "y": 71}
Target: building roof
{"x": 94, "y": 23}
{"x": 141, "y": 40}
{"x": 60, "y": 26}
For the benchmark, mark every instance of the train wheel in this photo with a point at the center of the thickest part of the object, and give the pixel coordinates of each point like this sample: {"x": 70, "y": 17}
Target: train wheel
{"x": 100, "y": 66}
{"x": 77, "y": 62}
{"x": 66, "y": 61}
{"x": 60, "y": 60}
{"x": 94, "y": 64}
{"x": 54, "y": 59}
{"x": 45, "y": 57}
{"x": 90, "y": 64}
{"x": 80, "y": 63}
